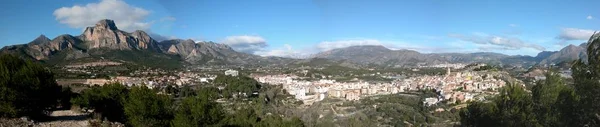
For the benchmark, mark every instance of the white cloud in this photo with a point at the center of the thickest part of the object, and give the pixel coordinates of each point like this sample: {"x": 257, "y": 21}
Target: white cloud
{"x": 589, "y": 17}
{"x": 329, "y": 45}
{"x": 286, "y": 51}
{"x": 390, "y": 44}
{"x": 567, "y": 34}
{"x": 245, "y": 43}
{"x": 126, "y": 17}
{"x": 513, "y": 25}
{"x": 497, "y": 42}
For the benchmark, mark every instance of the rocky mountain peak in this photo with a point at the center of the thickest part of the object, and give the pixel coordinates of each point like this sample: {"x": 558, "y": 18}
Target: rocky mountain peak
{"x": 190, "y": 40}
{"x": 142, "y": 36}
{"x": 107, "y": 24}
{"x": 42, "y": 37}
{"x": 140, "y": 33}
{"x": 566, "y": 54}
{"x": 106, "y": 35}
{"x": 571, "y": 47}
{"x": 40, "y": 40}
{"x": 63, "y": 37}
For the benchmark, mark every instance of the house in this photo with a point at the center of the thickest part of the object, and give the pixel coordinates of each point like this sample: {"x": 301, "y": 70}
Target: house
{"x": 352, "y": 94}
{"x": 430, "y": 101}
{"x": 231, "y": 72}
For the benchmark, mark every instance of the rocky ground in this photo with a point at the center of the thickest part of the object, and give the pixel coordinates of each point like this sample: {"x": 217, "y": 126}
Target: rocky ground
{"x": 67, "y": 118}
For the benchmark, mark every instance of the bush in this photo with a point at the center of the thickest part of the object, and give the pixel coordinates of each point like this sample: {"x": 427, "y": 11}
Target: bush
{"x": 107, "y": 101}
{"x": 198, "y": 112}
{"x": 237, "y": 84}
{"x": 144, "y": 108}
{"x": 26, "y": 88}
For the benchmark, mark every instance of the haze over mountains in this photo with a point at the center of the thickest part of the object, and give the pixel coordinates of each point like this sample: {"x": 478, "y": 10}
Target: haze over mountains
{"x": 105, "y": 41}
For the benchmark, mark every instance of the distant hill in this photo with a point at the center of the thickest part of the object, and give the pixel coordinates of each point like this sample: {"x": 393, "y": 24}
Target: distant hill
{"x": 567, "y": 54}
{"x": 378, "y": 55}
{"x": 381, "y": 56}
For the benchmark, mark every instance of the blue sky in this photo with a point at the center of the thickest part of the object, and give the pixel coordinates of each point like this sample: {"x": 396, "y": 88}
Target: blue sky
{"x": 300, "y": 28}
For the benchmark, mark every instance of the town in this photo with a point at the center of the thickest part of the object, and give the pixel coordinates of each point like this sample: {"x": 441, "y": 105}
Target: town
{"x": 458, "y": 86}
{"x": 453, "y": 86}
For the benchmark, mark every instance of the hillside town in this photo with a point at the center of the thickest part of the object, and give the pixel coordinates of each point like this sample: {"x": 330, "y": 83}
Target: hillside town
{"x": 454, "y": 87}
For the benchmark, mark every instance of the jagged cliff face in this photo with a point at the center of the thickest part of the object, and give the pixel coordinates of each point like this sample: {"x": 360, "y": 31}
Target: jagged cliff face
{"x": 106, "y": 35}
{"x": 206, "y": 52}
{"x": 63, "y": 42}
{"x": 105, "y": 40}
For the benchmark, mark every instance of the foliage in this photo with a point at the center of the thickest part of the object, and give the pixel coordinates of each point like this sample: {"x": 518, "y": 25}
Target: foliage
{"x": 237, "y": 84}
{"x": 186, "y": 91}
{"x": 106, "y": 100}
{"x": 276, "y": 121}
{"x": 244, "y": 117}
{"x": 65, "y": 97}
{"x": 200, "y": 110}
{"x": 545, "y": 95}
{"x": 487, "y": 67}
{"x": 552, "y": 102}
{"x": 247, "y": 117}
{"x": 382, "y": 110}
{"x": 27, "y": 88}
{"x": 144, "y": 108}
{"x": 513, "y": 107}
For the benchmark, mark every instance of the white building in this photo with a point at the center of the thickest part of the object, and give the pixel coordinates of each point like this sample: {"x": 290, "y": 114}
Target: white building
{"x": 231, "y": 72}
{"x": 430, "y": 101}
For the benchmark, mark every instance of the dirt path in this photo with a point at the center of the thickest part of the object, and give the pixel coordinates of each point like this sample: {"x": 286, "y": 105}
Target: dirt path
{"x": 67, "y": 118}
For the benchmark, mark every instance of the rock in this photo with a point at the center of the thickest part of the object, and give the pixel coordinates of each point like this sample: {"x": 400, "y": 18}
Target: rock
{"x": 40, "y": 40}
{"x": 106, "y": 24}
{"x": 106, "y": 35}
{"x": 567, "y": 54}
{"x": 16, "y": 122}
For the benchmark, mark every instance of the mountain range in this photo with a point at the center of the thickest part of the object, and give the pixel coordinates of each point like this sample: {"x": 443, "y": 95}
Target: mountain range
{"x": 105, "y": 42}
{"x": 382, "y": 56}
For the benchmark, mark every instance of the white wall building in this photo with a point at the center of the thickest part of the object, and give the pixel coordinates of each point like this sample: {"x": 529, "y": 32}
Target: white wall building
{"x": 231, "y": 72}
